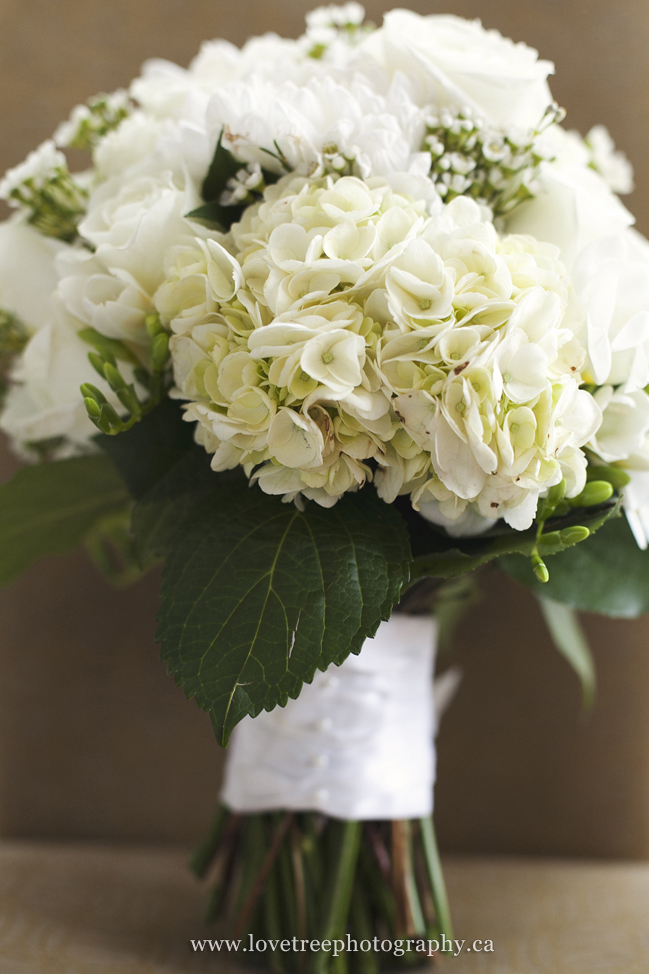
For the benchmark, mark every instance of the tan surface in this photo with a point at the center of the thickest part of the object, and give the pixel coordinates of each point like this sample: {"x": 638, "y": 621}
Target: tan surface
{"x": 97, "y": 910}
{"x": 95, "y": 741}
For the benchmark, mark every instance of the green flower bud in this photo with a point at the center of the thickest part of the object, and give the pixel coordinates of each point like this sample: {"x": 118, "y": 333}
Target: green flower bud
{"x": 88, "y": 391}
{"x": 110, "y": 416}
{"x": 159, "y": 351}
{"x": 129, "y": 399}
{"x": 614, "y": 475}
{"x": 97, "y": 363}
{"x": 153, "y": 325}
{"x": 595, "y": 492}
{"x": 110, "y": 348}
{"x": 114, "y": 379}
{"x": 551, "y": 539}
{"x": 102, "y": 422}
{"x": 92, "y": 408}
{"x": 540, "y": 568}
{"x": 575, "y": 534}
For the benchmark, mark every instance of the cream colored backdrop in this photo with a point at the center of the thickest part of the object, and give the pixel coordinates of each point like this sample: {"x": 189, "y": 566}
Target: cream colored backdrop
{"x": 95, "y": 741}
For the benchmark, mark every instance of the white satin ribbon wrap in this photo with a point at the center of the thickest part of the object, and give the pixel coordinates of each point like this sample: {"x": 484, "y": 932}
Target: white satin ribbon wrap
{"x": 358, "y": 741}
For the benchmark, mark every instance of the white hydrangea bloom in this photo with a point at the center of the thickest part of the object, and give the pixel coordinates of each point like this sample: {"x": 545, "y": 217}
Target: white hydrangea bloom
{"x": 347, "y": 330}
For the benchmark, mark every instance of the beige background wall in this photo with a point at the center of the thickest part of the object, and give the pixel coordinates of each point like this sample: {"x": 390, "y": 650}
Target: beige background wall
{"x": 95, "y": 741}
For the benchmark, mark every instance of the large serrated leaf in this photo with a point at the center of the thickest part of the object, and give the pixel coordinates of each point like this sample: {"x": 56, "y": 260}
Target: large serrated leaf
{"x": 151, "y": 447}
{"x": 608, "y": 574}
{"x": 450, "y": 557}
{"x": 257, "y": 595}
{"x": 164, "y": 508}
{"x": 50, "y": 508}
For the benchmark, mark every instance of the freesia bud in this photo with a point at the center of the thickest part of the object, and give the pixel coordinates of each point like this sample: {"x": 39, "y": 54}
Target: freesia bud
{"x": 574, "y": 534}
{"x": 595, "y": 492}
{"x": 159, "y": 351}
{"x": 614, "y": 475}
{"x": 540, "y": 568}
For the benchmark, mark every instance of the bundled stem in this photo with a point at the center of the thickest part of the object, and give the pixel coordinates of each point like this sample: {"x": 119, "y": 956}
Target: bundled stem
{"x": 304, "y": 877}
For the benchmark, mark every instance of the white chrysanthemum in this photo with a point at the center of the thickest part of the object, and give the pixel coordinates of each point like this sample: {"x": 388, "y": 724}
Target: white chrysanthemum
{"x": 374, "y": 132}
{"x": 348, "y": 330}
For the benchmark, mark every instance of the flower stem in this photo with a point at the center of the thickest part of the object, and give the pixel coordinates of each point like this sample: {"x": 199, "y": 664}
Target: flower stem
{"x": 346, "y": 838}
{"x": 204, "y": 855}
{"x": 267, "y": 864}
{"x": 436, "y": 877}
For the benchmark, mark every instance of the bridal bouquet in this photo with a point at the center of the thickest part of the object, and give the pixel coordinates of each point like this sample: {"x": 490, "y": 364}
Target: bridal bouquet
{"x": 327, "y": 324}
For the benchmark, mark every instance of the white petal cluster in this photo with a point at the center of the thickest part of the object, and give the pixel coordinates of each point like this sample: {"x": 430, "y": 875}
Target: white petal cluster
{"x": 611, "y": 279}
{"x": 318, "y": 342}
{"x": 347, "y": 330}
{"x": 39, "y": 168}
{"x": 612, "y": 164}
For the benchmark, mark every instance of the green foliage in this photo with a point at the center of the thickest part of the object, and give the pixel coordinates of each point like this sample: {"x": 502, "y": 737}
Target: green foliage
{"x": 13, "y": 338}
{"x": 144, "y": 453}
{"x": 609, "y": 574}
{"x": 222, "y": 168}
{"x": 570, "y": 640}
{"x": 110, "y": 545}
{"x": 51, "y": 508}
{"x": 162, "y": 511}
{"x": 258, "y": 595}
{"x": 450, "y": 557}
{"x": 215, "y": 216}
{"x": 104, "y": 361}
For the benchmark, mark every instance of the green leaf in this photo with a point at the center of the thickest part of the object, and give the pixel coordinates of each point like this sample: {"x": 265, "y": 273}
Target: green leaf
{"x": 50, "y": 508}
{"x": 449, "y": 557}
{"x": 222, "y": 168}
{"x": 257, "y": 595}
{"x": 607, "y": 574}
{"x": 163, "y": 510}
{"x": 144, "y": 453}
{"x": 215, "y": 216}
{"x": 570, "y": 640}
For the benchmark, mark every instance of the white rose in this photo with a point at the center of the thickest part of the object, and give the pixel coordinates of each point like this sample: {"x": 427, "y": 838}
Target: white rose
{"x": 611, "y": 277}
{"x": 27, "y": 272}
{"x": 133, "y": 222}
{"x": 115, "y": 306}
{"x": 625, "y": 424}
{"x": 573, "y": 206}
{"x": 45, "y": 401}
{"x": 458, "y": 62}
{"x": 636, "y": 506}
{"x": 612, "y": 164}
